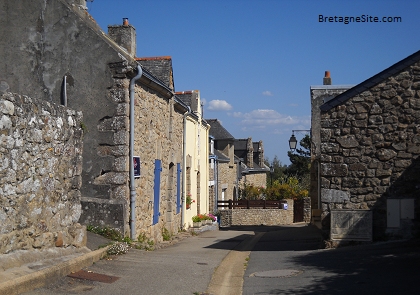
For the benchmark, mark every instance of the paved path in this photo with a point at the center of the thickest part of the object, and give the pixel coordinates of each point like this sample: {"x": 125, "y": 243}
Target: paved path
{"x": 255, "y": 260}
{"x": 184, "y": 268}
{"x": 287, "y": 261}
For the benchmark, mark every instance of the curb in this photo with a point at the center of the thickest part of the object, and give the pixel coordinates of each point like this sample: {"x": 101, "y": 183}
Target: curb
{"x": 228, "y": 276}
{"x": 40, "y": 278}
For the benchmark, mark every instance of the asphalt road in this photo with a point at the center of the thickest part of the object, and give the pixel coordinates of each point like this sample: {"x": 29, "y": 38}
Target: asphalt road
{"x": 288, "y": 261}
{"x": 255, "y": 260}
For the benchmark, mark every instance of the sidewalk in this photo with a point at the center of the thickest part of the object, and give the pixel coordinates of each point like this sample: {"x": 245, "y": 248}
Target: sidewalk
{"x": 186, "y": 267}
{"x": 26, "y": 270}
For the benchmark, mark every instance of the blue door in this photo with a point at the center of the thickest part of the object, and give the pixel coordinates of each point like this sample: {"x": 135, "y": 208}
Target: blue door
{"x": 156, "y": 191}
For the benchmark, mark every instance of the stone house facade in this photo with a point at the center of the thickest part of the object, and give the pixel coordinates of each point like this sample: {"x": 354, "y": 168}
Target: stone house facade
{"x": 50, "y": 37}
{"x": 319, "y": 95}
{"x": 370, "y": 147}
{"x": 253, "y": 170}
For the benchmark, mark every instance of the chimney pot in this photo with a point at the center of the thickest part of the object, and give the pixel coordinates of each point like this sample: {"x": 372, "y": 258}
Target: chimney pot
{"x": 125, "y": 21}
{"x": 327, "y": 78}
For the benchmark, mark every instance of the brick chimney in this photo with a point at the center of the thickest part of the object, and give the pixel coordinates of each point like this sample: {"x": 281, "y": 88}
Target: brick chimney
{"x": 327, "y": 78}
{"x": 124, "y": 36}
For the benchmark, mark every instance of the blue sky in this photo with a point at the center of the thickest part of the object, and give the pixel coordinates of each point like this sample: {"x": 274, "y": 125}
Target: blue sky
{"x": 254, "y": 61}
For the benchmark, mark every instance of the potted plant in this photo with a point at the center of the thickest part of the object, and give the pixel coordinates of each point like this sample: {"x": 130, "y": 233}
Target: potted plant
{"x": 196, "y": 219}
{"x": 188, "y": 201}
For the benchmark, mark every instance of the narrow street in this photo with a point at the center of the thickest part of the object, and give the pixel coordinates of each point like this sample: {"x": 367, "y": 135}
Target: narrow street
{"x": 264, "y": 260}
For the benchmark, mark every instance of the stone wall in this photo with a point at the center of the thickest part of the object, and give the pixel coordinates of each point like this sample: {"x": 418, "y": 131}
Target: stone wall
{"x": 40, "y": 174}
{"x": 269, "y": 217}
{"x": 319, "y": 95}
{"x": 370, "y": 148}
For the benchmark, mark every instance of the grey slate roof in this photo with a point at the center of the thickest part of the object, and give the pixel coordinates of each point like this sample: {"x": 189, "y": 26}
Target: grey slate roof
{"x": 160, "y": 67}
{"x": 221, "y": 157}
{"x": 372, "y": 81}
{"x": 185, "y": 98}
{"x": 217, "y": 130}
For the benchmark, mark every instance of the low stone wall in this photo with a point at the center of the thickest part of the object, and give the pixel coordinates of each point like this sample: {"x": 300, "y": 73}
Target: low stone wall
{"x": 40, "y": 168}
{"x": 271, "y": 217}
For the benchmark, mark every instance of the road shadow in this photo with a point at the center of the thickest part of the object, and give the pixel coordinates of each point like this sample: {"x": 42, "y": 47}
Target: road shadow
{"x": 381, "y": 268}
{"x": 300, "y": 237}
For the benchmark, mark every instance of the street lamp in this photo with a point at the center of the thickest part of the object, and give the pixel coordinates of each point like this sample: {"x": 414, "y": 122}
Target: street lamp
{"x": 271, "y": 174}
{"x": 292, "y": 143}
{"x": 293, "y": 140}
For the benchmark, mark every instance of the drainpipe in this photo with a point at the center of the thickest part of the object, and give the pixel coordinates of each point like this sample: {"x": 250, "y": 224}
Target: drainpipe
{"x": 132, "y": 184}
{"x": 184, "y": 164}
{"x": 216, "y": 181}
{"x": 64, "y": 92}
{"x": 319, "y": 184}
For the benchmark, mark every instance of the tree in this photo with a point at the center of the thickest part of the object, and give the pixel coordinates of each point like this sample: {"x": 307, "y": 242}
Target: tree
{"x": 279, "y": 170}
{"x": 300, "y": 159}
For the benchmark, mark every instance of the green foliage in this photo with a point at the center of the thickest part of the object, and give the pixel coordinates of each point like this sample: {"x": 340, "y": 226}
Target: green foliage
{"x": 196, "y": 218}
{"x": 283, "y": 188}
{"x": 109, "y": 233}
{"x": 279, "y": 170}
{"x": 84, "y": 127}
{"x": 166, "y": 235}
{"x": 300, "y": 159}
{"x": 144, "y": 243}
{"x": 250, "y": 192}
{"x": 286, "y": 188}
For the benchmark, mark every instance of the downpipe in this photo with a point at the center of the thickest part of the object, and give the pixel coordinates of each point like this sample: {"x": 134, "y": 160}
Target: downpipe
{"x": 184, "y": 169}
{"x": 131, "y": 156}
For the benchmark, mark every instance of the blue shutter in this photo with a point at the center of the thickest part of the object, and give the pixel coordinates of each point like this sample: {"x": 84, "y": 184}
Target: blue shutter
{"x": 178, "y": 188}
{"x": 156, "y": 191}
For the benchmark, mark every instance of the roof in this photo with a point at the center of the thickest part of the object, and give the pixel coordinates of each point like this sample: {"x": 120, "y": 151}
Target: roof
{"x": 221, "y": 157}
{"x": 217, "y": 130}
{"x": 185, "y": 97}
{"x": 160, "y": 67}
{"x": 372, "y": 81}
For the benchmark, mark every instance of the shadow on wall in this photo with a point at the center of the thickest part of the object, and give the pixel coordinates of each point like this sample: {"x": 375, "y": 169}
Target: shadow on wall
{"x": 396, "y": 213}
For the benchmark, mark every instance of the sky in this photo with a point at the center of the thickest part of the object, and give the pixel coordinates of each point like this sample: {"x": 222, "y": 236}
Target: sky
{"x": 254, "y": 61}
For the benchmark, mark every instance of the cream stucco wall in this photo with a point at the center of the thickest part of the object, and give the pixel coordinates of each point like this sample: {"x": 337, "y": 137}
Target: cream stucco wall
{"x": 196, "y": 171}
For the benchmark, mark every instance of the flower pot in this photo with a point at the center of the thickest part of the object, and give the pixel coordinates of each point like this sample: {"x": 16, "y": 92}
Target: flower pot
{"x": 187, "y": 206}
{"x": 196, "y": 224}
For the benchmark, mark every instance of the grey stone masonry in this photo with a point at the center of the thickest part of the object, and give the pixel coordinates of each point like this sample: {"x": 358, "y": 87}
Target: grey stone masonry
{"x": 40, "y": 174}
{"x": 370, "y": 148}
{"x": 270, "y": 217}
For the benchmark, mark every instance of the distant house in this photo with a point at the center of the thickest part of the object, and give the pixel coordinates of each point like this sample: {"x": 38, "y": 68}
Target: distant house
{"x": 252, "y": 169}
{"x": 370, "y": 150}
{"x": 223, "y": 167}
{"x": 55, "y": 51}
{"x": 233, "y": 162}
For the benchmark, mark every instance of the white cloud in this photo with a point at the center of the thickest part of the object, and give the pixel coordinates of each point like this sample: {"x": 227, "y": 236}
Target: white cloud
{"x": 270, "y": 119}
{"x": 219, "y": 105}
{"x": 267, "y": 93}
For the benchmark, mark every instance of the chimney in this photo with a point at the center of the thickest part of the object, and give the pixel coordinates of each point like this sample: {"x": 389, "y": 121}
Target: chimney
{"x": 327, "y": 78}
{"x": 124, "y": 36}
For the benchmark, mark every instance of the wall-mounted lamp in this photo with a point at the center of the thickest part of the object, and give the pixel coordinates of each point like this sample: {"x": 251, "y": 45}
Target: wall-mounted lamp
{"x": 293, "y": 140}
